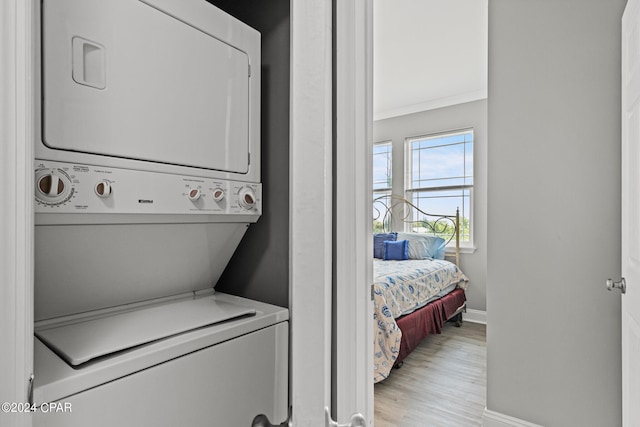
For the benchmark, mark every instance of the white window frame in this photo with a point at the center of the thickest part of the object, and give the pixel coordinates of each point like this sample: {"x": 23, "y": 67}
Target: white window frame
{"x": 465, "y": 246}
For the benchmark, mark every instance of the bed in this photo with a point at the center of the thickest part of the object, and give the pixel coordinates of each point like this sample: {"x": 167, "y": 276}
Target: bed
{"x": 414, "y": 297}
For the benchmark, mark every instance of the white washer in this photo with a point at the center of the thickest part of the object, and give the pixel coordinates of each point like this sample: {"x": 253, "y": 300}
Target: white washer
{"x": 223, "y": 374}
{"x": 147, "y": 176}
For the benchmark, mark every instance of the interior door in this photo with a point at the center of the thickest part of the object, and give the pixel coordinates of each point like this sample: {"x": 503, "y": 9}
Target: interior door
{"x": 353, "y": 305}
{"x": 310, "y": 219}
{"x": 631, "y": 214}
{"x": 320, "y": 237}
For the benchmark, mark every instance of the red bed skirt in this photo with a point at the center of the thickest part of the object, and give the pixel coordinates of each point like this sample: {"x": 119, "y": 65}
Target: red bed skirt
{"x": 427, "y": 320}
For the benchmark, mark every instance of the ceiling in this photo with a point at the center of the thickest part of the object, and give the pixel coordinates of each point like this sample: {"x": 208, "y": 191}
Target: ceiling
{"x": 428, "y": 54}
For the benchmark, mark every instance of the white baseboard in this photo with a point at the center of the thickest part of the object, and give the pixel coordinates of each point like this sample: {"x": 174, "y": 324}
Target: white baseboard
{"x": 475, "y": 316}
{"x": 496, "y": 419}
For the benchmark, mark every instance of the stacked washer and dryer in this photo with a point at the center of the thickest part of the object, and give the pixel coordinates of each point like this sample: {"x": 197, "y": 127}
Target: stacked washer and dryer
{"x": 147, "y": 175}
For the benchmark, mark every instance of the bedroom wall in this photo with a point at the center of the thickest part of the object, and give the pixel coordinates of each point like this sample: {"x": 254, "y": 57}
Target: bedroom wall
{"x": 259, "y": 268}
{"x": 470, "y": 114}
{"x": 553, "y": 335}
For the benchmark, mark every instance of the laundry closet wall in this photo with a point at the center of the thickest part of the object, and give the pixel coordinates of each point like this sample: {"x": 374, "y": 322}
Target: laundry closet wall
{"x": 259, "y": 268}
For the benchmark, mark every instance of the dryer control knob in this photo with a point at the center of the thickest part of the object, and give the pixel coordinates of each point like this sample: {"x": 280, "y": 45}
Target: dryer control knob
{"x": 218, "y": 194}
{"x": 247, "y": 198}
{"x": 194, "y": 194}
{"x": 103, "y": 189}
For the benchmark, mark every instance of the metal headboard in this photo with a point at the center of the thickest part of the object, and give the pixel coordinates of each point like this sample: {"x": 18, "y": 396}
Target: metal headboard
{"x": 392, "y": 207}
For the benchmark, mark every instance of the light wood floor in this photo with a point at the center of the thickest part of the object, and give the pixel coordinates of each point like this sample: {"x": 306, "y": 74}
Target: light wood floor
{"x": 442, "y": 383}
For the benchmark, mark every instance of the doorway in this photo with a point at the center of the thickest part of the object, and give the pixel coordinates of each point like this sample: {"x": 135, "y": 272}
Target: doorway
{"x": 430, "y": 76}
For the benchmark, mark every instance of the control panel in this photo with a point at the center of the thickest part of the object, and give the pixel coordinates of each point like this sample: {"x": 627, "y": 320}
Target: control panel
{"x": 76, "y": 188}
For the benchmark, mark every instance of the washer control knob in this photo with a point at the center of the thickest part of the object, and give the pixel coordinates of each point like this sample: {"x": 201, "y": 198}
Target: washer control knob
{"x": 194, "y": 194}
{"x": 247, "y": 198}
{"x": 51, "y": 185}
{"x": 218, "y": 194}
{"x": 103, "y": 189}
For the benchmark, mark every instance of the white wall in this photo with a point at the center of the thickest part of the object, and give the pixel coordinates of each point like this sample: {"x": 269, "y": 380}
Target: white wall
{"x": 553, "y": 337}
{"x": 470, "y": 114}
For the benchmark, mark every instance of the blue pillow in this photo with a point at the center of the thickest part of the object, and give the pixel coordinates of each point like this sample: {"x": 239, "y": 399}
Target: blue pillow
{"x": 398, "y": 250}
{"x": 424, "y": 246}
{"x": 378, "y": 243}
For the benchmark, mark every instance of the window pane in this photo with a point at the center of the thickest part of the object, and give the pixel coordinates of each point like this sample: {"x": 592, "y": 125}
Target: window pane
{"x": 443, "y": 202}
{"x": 442, "y": 161}
{"x": 443, "y": 166}
{"x": 382, "y": 166}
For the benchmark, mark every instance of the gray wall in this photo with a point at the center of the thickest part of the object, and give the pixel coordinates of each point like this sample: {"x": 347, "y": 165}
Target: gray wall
{"x": 553, "y": 337}
{"x": 470, "y": 114}
{"x": 259, "y": 268}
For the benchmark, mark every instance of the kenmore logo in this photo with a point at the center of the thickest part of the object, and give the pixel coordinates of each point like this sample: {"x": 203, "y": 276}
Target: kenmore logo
{"x": 145, "y": 201}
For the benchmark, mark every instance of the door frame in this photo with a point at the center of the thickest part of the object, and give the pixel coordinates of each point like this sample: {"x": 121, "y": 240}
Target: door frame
{"x": 353, "y": 306}
{"x": 16, "y": 210}
{"x": 330, "y": 198}
{"x": 310, "y": 215}
{"x": 630, "y": 328}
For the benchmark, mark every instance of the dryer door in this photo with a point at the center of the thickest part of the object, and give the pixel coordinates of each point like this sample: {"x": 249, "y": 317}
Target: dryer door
{"x": 123, "y": 79}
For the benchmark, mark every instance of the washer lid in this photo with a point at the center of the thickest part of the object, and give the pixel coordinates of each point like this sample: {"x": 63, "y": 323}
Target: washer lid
{"x": 81, "y": 342}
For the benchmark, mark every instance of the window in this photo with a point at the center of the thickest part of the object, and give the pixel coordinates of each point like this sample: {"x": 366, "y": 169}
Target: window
{"x": 439, "y": 177}
{"x": 382, "y": 166}
{"x": 382, "y": 158}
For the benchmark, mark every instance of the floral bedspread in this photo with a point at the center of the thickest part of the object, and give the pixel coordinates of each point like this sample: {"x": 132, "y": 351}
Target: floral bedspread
{"x": 400, "y": 287}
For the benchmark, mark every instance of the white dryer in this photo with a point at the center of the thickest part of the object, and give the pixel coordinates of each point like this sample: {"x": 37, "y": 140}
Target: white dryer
{"x": 147, "y": 175}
